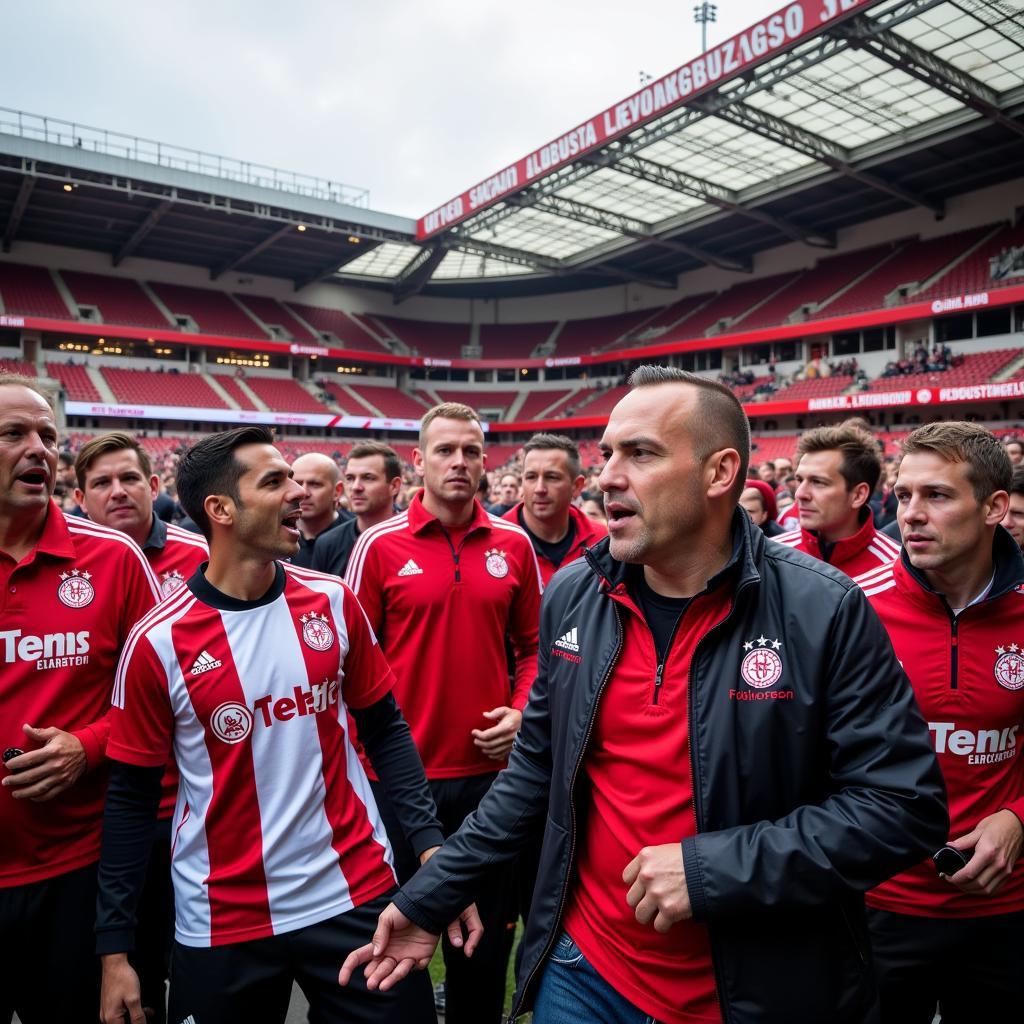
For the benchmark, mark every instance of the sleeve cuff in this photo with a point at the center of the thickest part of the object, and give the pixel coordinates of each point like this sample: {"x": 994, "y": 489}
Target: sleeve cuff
{"x": 694, "y": 880}
{"x": 425, "y": 838}
{"x": 121, "y": 940}
{"x": 91, "y": 744}
{"x": 1016, "y": 807}
{"x": 411, "y": 911}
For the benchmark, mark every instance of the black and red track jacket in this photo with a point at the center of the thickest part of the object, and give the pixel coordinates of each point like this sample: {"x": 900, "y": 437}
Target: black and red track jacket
{"x": 588, "y": 533}
{"x": 867, "y": 549}
{"x": 968, "y": 676}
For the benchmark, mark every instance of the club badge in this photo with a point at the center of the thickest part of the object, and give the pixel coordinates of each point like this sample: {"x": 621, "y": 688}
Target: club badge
{"x": 1009, "y": 667}
{"x": 762, "y": 664}
{"x": 231, "y": 722}
{"x": 316, "y": 633}
{"x": 75, "y": 590}
{"x": 170, "y": 581}
{"x": 496, "y": 564}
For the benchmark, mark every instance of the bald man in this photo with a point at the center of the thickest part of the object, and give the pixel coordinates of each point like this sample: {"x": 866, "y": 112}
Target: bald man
{"x": 320, "y": 476}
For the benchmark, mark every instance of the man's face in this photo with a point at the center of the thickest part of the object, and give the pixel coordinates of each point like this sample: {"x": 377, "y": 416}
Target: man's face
{"x": 451, "y": 459}
{"x": 766, "y": 472}
{"x": 508, "y": 490}
{"x": 369, "y": 491}
{"x": 1016, "y": 452}
{"x": 118, "y": 494}
{"x": 548, "y": 487}
{"x": 1014, "y": 519}
{"x": 752, "y": 501}
{"x": 66, "y": 475}
{"x": 944, "y": 528}
{"x": 266, "y": 515}
{"x": 322, "y": 488}
{"x": 28, "y": 451}
{"x": 822, "y": 497}
{"x": 654, "y": 492}
{"x": 783, "y": 467}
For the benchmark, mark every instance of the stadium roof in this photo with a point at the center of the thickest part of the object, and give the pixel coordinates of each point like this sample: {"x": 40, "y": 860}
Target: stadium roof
{"x": 827, "y": 114}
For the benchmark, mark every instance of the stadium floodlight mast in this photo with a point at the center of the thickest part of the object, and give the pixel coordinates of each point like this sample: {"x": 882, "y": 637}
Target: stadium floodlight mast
{"x": 702, "y": 14}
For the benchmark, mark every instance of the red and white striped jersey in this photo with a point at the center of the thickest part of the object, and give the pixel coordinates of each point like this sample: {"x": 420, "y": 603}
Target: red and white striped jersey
{"x": 66, "y": 610}
{"x": 867, "y": 549}
{"x": 275, "y": 826}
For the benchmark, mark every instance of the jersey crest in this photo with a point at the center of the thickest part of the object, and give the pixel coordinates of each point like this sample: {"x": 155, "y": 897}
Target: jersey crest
{"x": 76, "y": 590}
{"x": 1009, "y": 667}
{"x": 761, "y": 667}
{"x": 316, "y": 633}
{"x": 496, "y": 564}
{"x": 170, "y": 581}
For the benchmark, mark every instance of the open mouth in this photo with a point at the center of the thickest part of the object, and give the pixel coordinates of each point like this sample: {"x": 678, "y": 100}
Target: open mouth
{"x": 619, "y": 515}
{"x": 290, "y": 521}
{"x": 33, "y": 478}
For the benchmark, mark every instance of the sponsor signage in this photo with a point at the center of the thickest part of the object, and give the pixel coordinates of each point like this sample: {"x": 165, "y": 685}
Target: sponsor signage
{"x": 11, "y": 321}
{"x": 763, "y": 40}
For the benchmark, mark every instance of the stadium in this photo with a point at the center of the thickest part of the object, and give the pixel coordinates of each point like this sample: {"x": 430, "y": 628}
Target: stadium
{"x": 811, "y": 210}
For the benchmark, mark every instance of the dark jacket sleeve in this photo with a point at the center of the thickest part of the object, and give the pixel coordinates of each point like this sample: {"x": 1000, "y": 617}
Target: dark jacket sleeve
{"x": 388, "y": 743}
{"x": 512, "y": 811}
{"x": 129, "y": 821}
{"x": 887, "y": 810}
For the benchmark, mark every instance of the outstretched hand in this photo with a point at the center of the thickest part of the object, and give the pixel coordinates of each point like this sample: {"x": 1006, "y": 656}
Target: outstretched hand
{"x": 399, "y": 947}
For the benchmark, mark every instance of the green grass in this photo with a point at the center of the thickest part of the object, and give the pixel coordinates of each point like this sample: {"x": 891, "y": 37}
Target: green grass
{"x": 437, "y": 968}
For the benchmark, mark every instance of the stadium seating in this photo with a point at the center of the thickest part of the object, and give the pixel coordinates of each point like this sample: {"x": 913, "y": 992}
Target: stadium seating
{"x": 602, "y": 403}
{"x": 429, "y": 338}
{"x": 273, "y": 314}
{"x": 745, "y": 392}
{"x": 281, "y": 394}
{"x": 120, "y": 300}
{"x": 213, "y": 312}
{"x": 973, "y": 273}
{"x": 537, "y": 401}
{"x": 75, "y": 381}
{"x": 479, "y": 399}
{"x": 673, "y": 315}
{"x": 30, "y": 291}
{"x": 230, "y": 385}
{"x": 581, "y": 337}
{"x": 977, "y": 368}
{"x": 392, "y": 402}
{"x": 513, "y": 341}
{"x": 9, "y": 365}
{"x": 765, "y": 449}
{"x": 348, "y": 330}
{"x": 816, "y": 387}
{"x": 142, "y": 387}
{"x": 732, "y": 304}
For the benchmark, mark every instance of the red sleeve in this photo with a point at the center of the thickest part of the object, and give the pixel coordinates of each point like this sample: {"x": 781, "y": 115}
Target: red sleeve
{"x": 138, "y": 592}
{"x": 141, "y": 720}
{"x": 524, "y": 624}
{"x": 367, "y": 675}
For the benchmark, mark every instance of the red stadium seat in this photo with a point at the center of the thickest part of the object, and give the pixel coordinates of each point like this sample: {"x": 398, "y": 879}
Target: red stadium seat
{"x": 30, "y": 291}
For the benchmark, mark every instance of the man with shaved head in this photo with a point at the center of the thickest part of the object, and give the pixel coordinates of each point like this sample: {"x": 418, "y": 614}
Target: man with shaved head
{"x": 320, "y": 476}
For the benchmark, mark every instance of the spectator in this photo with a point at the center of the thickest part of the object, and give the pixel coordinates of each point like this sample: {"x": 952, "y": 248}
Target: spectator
{"x": 1014, "y": 518}
{"x": 321, "y": 478}
{"x": 759, "y": 501}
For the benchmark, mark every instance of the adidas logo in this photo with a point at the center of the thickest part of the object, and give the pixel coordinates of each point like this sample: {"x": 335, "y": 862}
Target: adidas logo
{"x": 569, "y": 642}
{"x": 410, "y": 569}
{"x": 189, "y": 1020}
{"x": 204, "y": 663}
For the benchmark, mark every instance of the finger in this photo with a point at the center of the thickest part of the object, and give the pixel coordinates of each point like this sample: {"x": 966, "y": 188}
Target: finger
{"x": 662, "y": 922}
{"x": 496, "y": 715}
{"x": 455, "y": 933}
{"x": 637, "y": 891}
{"x": 30, "y": 759}
{"x": 381, "y": 936}
{"x": 40, "y": 792}
{"x": 355, "y": 959}
{"x": 967, "y": 842}
{"x": 974, "y": 867}
{"x": 40, "y": 773}
{"x": 646, "y": 910}
{"x": 631, "y": 871}
{"x": 474, "y": 929}
{"x": 39, "y": 735}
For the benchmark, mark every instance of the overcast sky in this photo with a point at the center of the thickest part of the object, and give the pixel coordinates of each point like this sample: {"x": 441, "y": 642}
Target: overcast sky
{"x": 414, "y": 101}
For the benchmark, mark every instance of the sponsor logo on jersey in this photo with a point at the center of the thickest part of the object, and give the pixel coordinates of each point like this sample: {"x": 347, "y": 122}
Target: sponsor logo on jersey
{"x": 231, "y": 722}
{"x": 981, "y": 746}
{"x": 204, "y": 663}
{"x": 316, "y": 632}
{"x": 1009, "y": 667}
{"x": 51, "y": 650}
{"x": 496, "y": 564}
{"x": 76, "y": 590}
{"x": 170, "y": 581}
{"x": 410, "y": 569}
{"x": 762, "y": 665}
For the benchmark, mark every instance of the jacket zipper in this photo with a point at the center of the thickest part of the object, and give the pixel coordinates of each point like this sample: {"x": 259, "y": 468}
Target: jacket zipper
{"x": 572, "y": 809}
{"x": 455, "y": 553}
{"x": 659, "y": 675}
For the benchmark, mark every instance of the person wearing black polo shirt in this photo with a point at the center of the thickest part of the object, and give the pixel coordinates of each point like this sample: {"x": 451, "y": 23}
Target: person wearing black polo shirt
{"x": 320, "y": 476}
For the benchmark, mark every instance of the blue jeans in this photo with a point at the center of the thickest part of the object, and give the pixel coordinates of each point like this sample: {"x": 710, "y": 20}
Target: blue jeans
{"x": 571, "y": 992}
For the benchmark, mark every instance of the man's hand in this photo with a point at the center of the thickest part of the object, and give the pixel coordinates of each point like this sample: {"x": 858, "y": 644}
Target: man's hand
{"x": 120, "y": 997}
{"x": 398, "y": 947}
{"x": 657, "y": 884}
{"x": 996, "y": 841}
{"x": 497, "y": 741}
{"x": 44, "y": 773}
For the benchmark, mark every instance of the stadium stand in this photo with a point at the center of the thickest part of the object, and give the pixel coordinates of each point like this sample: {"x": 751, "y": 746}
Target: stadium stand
{"x": 746, "y": 392}
{"x": 75, "y": 381}
{"x": 512, "y": 341}
{"x": 230, "y": 385}
{"x": 674, "y": 315}
{"x": 581, "y": 337}
{"x": 143, "y": 387}
{"x": 429, "y": 338}
{"x": 816, "y": 387}
{"x": 30, "y": 291}
{"x": 731, "y": 305}
{"x": 602, "y": 402}
{"x": 480, "y": 399}
{"x": 11, "y": 365}
{"x": 537, "y": 402}
{"x": 348, "y": 330}
{"x": 973, "y": 273}
{"x": 273, "y": 314}
{"x": 976, "y": 368}
{"x": 120, "y": 300}
{"x": 392, "y": 402}
{"x": 282, "y": 394}
{"x": 213, "y": 312}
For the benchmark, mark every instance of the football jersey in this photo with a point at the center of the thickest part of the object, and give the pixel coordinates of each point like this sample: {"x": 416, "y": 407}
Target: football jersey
{"x": 66, "y": 610}
{"x": 867, "y": 549}
{"x": 275, "y": 827}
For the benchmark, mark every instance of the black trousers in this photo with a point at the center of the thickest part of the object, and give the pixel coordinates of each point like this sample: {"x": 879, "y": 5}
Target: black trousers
{"x": 474, "y": 987}
{"x": 155, "y": 933}
{"x": 249, "y": 982}
{"x": 49, "y": 970}
{"x": 973, "y": 968}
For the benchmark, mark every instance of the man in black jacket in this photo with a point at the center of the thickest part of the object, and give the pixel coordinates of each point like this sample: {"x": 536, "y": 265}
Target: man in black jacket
{"x": 720, "y": 748}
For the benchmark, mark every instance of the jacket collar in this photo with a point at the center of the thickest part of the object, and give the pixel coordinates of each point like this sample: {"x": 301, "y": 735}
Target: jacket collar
{"x": 421, "y": 520}
{"x": 1007, "y": 561}
{"x": 747, "y": 548}
{"x": 841, "y": 550}
{"x": 157, "y": 535}
{"x": 587, "y": 531}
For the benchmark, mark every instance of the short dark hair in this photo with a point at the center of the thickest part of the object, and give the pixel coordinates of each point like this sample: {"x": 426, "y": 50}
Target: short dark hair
{"x": 115, "y": 441}
{"x": 860, "y": 465}
{"x": 1007, "y": 441}
{"x": 1017, "y": 481}
{"x": 720, "y": 421}
{"x": 367, "y": 449}
{"x": 556, "y": 442}
{"x": 988, "y": 466}
{"x": 210, "y": 467}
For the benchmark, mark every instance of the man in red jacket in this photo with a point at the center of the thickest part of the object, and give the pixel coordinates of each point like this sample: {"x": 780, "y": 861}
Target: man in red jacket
{"x": 837, "y": 469}
{"x": 953, "y": 605}
{"x": 443, "y": 584}
{"x": 551, "y": 482}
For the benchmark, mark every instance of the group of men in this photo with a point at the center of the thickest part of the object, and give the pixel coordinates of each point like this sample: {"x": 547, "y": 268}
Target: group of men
{"x": 684, "y": 768}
